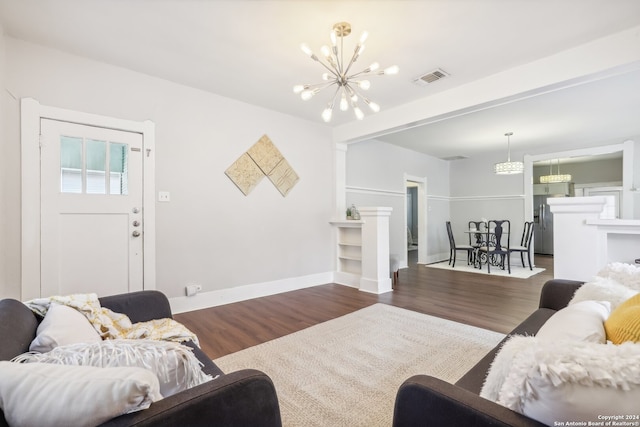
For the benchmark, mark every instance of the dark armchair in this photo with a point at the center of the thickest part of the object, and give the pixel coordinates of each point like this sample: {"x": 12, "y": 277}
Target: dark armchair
{"x": 241, "y": 398}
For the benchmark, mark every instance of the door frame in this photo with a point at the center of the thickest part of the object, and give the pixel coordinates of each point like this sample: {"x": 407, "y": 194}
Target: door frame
{"x": 422, "y": 216}
{"x": 31, "y": 113}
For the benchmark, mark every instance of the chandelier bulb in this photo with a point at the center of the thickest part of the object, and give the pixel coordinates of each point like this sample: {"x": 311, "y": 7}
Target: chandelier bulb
{"x": 299, "y": 88}
{"x": 374, "y": 107}
{"x": 363, "y": 37}
{"x": 306, "y": 49}
{"x": 364, "y": 84}
{"x": 307, "y": 94}
{"x": 373, "y": 67}
{"x": 390, "y": 70}
{"x": 326, "y": 51}
{"x": 326, "y": 77}
{"x": 344, "y": 104}
{"x": 326, "y": 114}
{"x": 334, "y": 38}
{"x": 358, "y": 112}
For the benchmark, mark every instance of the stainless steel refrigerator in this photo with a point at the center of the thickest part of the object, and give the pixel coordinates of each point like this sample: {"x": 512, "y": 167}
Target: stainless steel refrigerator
{"x": 542, "y": 216}
{"x": 542, "y": 226}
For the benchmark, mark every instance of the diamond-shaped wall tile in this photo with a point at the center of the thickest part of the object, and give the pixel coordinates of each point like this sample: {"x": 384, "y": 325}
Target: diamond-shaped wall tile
{"x": 283, "y": 177}
{"x": 265, "y": 154}
{"x": 245, "y": 174}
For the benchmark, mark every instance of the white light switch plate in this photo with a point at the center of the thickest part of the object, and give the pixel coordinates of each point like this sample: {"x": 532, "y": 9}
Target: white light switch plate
{"x": 164, "y": 196}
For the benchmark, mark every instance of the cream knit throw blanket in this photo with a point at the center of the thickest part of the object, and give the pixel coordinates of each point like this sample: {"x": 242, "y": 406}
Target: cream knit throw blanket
{"x": 112, "y": 325}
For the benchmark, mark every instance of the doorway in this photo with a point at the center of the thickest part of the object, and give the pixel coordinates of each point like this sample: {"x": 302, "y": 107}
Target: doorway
{"x": 88, "y": 210}
{"x": 415, "y": 219}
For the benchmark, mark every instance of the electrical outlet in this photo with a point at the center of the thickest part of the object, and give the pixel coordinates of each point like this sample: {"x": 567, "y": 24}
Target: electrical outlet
{"x": 164, "y": 196}
{"x": 191, "y": 289}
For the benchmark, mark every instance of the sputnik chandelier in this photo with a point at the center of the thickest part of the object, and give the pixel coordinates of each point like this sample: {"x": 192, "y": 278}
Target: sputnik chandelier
{"x": 348, "y": 86}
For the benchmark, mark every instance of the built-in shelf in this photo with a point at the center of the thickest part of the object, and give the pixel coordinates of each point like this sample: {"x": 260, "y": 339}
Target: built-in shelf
{"x": 352, "y": 258}
{"x": 362, "y": 250}
{"x": 349, "y": 263}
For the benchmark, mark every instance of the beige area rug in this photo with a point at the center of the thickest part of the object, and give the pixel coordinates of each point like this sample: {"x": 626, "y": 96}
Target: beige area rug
{"x": 516, "y": 270}
{"x": 346, "y": 372}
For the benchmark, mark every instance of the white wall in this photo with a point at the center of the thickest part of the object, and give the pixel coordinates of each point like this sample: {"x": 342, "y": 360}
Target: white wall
{"x": 4, "y": 226}
{"x": 210, "y": 233}
{"x": 477, "y": 192}
{"x": 375, "y": 174}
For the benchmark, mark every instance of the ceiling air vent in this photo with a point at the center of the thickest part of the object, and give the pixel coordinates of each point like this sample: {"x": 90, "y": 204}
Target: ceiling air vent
{"x": 451, "y": 158}
{"x": 431, "y": 77}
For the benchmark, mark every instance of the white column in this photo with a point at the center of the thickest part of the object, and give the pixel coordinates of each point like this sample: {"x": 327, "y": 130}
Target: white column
{"x": 576, "y": 244}
{"x": 375, "y": 250}
{"x": 340, "y": 177}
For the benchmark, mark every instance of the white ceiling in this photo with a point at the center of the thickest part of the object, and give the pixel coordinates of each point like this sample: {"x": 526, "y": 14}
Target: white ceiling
{"x": 249, "y": 50}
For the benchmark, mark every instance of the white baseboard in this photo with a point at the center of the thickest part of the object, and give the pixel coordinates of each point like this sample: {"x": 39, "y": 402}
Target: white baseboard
{"x": 243, "y": 293}
{"x": 437, "y": 258}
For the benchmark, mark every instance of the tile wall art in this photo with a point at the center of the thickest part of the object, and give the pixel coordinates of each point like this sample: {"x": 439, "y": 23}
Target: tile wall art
{"x": 262, "y": 159}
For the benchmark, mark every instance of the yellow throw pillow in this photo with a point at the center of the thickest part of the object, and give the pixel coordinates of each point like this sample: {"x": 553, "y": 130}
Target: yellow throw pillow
{"x": 624, "y": 322}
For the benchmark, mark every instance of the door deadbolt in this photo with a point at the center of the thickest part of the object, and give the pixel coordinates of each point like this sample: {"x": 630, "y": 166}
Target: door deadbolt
{"x": 136, "y": 223}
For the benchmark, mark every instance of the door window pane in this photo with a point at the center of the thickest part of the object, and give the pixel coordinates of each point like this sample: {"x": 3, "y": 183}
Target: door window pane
{"x": 96, "y": 161}
{"x": 70, "y": 164}
{"x": 118, "y": 168}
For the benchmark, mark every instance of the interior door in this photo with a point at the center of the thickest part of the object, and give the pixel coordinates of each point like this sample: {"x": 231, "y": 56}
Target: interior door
{"x": 91, "y": 218}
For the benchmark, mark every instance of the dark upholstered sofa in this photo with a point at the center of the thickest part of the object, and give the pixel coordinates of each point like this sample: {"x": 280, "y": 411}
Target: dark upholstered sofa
{"x": 427, "y": 401}
{"x": 242, "y": 398}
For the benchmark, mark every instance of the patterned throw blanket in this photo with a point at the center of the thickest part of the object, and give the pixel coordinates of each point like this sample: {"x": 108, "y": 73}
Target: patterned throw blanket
{"x": 112, "y": 325}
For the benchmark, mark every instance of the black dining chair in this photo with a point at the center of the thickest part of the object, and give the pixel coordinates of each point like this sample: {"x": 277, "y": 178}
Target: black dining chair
{"x": 453, "y": 248}
{"x": 498, "y": 232}
{"x": 477, "y": 239}
{"x": 525, "y": 243}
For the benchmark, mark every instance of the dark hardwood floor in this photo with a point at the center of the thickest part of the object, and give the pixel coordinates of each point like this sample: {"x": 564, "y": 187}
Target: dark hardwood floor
{"x": 491, "y": 302}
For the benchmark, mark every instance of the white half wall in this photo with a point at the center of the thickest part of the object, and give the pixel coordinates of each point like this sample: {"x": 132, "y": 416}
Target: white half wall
{"x": 209, "y": 233}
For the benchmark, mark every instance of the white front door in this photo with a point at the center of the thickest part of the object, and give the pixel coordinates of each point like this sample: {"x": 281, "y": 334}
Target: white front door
{"x": 91, "y": 210}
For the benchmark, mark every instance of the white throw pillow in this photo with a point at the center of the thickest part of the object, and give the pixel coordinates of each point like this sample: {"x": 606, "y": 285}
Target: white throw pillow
{"x": 175, "y": 365}
{"x": 579, "y": 382}
{"x": 603, "y": 289}
{"x": 63, "y": 325}
{"x": 582, "y": 321}
{"x": 39, "y": 394}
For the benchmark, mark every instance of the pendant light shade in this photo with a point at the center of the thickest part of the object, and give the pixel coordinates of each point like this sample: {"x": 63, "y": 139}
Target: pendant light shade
{"x": 508, "y": 167}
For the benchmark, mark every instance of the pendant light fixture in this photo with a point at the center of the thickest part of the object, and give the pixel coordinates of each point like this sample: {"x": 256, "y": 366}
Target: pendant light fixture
{"x": 348, "y": 86}
{"x": 554, "y": 178}
{"x": 508, "y": 167}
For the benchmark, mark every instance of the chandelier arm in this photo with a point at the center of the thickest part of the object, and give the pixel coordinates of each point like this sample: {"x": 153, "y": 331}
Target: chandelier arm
{"x": 332, "y": 70}
{"x": 354, "y": 58}
{"x": 352, "y": 90}
{"x": 363, "y": 73}
{"x": 340, "y": 60}
{"x": 355, "y": 91}
{"x": 322, "y": 85}
{"x": 335, "y": 96}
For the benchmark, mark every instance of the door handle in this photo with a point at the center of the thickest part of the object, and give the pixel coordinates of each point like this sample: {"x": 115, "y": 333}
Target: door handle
{"x": 135, "y": 233}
